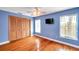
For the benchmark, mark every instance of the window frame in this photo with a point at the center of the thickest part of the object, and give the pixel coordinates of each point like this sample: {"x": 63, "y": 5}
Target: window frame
{"x": 67, "y": 28}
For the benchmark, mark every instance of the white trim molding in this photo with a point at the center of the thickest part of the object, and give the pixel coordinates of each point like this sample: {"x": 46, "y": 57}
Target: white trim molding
{"x": 58, "y": 41}
{"x": 4, "y": 42}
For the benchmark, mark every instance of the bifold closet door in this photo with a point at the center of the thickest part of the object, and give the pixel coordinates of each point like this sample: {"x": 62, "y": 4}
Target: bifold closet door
{"x": 12, "y": 28}
{"x": 18, "y": 28}
{"x": 28, "y": 27}
{"x": 25, "y": 27}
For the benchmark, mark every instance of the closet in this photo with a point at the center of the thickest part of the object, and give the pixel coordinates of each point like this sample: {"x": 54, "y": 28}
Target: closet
{"x": 18, "y": 28}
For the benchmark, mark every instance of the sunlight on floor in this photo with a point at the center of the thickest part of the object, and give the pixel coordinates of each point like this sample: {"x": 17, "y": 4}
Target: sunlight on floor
{"x": 37, "y": 42}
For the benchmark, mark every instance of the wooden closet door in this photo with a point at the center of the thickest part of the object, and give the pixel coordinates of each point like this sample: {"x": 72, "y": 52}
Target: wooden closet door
{"x": 18, "y": 28}
{"x": 12, "y": 28}
{"x": 25, "y": 27}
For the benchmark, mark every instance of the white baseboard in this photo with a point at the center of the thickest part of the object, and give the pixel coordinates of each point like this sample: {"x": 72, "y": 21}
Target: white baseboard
{"x": 4, "y": 42}
{"x": 58, "y": 41}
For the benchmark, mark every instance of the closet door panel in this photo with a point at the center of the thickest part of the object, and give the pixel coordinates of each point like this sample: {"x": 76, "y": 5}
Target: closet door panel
{"x": 12, "y": 28}
{"x": 18, "y": 28}
{"x": 23, "y": 25}
{"x": 27, "y": 28}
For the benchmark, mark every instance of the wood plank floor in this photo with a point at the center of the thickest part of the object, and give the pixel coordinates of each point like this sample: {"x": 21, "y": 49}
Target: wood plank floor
{"x": 29, "y": 44}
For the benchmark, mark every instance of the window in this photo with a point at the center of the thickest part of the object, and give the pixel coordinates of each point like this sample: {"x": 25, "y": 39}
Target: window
{"x": 38, "y": 26}
{"x": 68, "y": 27}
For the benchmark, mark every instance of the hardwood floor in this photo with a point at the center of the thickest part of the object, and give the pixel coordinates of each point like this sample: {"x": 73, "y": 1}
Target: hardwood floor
{"x": 29, "y": 44}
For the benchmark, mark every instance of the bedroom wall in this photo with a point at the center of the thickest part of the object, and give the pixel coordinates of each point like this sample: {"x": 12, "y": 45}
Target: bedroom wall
{"x": 53, "y": 30}
{"x": 4, "y": 24}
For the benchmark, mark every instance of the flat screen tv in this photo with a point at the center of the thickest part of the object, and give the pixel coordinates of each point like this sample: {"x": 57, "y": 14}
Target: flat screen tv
{"x": 49, "y": 21}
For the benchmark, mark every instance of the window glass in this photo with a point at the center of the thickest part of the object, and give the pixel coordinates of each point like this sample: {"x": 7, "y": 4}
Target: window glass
{"x": 38, "y": 26}
{"x": 68, "y": 27}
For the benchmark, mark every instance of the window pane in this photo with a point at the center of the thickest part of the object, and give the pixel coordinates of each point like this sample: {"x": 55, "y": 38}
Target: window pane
{"x": 68, "y": 27}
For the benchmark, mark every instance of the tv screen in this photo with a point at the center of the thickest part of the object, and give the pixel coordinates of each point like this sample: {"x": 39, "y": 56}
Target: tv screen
{"x": 49, "y": 21}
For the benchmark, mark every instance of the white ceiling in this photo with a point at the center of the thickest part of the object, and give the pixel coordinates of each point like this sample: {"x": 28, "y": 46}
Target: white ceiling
{"x": 28, "y": 10}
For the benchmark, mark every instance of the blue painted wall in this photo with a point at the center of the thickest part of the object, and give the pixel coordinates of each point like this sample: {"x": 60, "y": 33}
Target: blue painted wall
{"x": 4, "y": 24}
{"x": 53, "y": 30}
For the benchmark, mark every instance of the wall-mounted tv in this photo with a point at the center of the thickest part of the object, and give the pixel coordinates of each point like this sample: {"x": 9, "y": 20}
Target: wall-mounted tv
{"x": 49, "y": 21}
